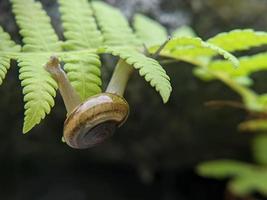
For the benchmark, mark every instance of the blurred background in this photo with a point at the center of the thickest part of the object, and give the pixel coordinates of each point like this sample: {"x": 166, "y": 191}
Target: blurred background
{"x": 154, "y": 154}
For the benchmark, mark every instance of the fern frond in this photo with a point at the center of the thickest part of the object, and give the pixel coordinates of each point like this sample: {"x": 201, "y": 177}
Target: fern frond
{"x": 221, "y": 169}
{"x": 81, "y": 33}
{"x": 35, "y": 27}
{"x": 248, "y": 65}
{"x": 122, "y": 42}
{"x": 83, "y": 71}
{"x": 6, "y": 45}
{"x": 205, "y": 75}
{"x": 80, "y": 29}
{"x": 238, "y": 40}
{"x": 39, "y": 89}
{"x": 114, "y": 26}
{"x": 149, "y": 68}
{"x": 193, "y": 50}
{"x": 149, "y": 31}
{"x": 184, "y": 31}
{"x": 4, "y": 66}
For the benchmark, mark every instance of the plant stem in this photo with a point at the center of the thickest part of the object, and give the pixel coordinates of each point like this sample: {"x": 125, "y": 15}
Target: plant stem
{"x": 157, "y": 53}
{"x": 70, "y": 97}
{"x": 119, "y": 79}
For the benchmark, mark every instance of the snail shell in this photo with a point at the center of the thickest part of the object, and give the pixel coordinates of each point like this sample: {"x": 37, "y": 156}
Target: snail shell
{"x": 95, "y": 120}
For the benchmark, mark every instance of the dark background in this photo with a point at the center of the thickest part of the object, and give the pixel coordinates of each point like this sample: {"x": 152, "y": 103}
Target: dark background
{"x": 154, "y": 154}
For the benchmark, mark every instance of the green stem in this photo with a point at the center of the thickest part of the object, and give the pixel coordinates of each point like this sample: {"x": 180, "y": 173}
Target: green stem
{"x": 249, "y": 97}
{"x": 120, "y": 77}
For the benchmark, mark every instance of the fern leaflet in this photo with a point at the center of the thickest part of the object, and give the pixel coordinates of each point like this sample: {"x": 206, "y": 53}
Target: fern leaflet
{"x": 148, "y": 67}
{"x": 149, "y": 31}
{"x": 6, "y": 46}
{"x": 114, "y": 26}
{"x": 121, "y": 41}
{"x": 246, "y": 178}
{"x": 83, "y": 69}
{"x": 245, "y": 185}
{"x": 248, "y": 65}
{"x": 193, "y": 50}
{"x": 4, "y": 66}
{"x": 39, "y": 89}
{"x": 259, "y": 148}
{"x": 184, "y": 31}
{"x": 238, "y": 40}
{"x": 38, "y": 36}
{"x": 222, "y": 169}
{"x": 80, "y": 29}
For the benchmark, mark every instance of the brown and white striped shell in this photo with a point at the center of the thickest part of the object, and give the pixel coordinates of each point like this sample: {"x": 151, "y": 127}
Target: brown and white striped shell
{"x": 95, "y": 120}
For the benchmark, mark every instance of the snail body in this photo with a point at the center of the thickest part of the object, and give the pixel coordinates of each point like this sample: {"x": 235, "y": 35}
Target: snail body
{"x": 91, "y": 122}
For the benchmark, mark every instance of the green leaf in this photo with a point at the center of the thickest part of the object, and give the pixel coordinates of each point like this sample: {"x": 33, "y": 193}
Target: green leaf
{"x": 149, "y": 68}
{"x": 149, "y": 31}
{"x": 249, "y": 184}
{"x": 4, "y": 66}
{"x": 223, "y": 53}
{"x": 83, "y": 67}
{"x": 184, "y": 31}
{"x": 39, "y": 89}
{"x": 193, "y": 50}
{"x": 221, "y": 169}
{"x": 83, "y": 70}
{"x": 80, "y": 28}
{"x": 248, "y": 65}
{"x": 259, "y": 148}
{"x": 81, "y": 33}
{"x": 114, "y": 26}
{"x": 122, "y": 42}
{"x": 238, "y": 40}
{"x": 246, "y": 178}
{"x": 35, "y": 27}
{"x": 244, "y": 80}
{"x": 6, "y": 45}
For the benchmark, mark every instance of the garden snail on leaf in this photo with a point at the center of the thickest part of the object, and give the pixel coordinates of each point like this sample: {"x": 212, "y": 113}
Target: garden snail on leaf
{"x": 93, "y": 121}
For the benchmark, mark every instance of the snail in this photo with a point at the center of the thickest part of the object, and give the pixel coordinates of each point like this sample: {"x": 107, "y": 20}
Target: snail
{"x": 92, "y": 122}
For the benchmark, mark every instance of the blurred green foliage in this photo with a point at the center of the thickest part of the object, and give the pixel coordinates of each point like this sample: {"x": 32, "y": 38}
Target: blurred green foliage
{"x": 246, "y": 178}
